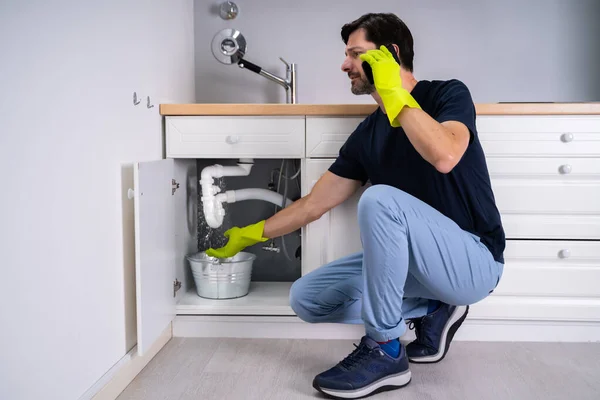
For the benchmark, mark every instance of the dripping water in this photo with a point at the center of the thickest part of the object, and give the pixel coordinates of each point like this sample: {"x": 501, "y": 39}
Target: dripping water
{"x": 212, "y": 237}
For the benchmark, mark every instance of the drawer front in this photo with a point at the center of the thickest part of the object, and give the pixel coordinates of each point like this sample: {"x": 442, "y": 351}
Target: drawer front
{"x": 530, "y": 196}
{"x": 548, "y": 208}
{"x": 539, "y": 135}
{"x": 563, "y": 170}
{"x": 550, "y": 269}
{"x": 325, "y": 135}
{"x": 520, "y": 308}
{"x": 549, "y": 226}
{"x": 235, "y": 137}
{"x": 548, "y": 198}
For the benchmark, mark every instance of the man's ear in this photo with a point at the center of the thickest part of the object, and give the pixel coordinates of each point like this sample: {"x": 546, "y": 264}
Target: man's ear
{"x": 397, "y": 49}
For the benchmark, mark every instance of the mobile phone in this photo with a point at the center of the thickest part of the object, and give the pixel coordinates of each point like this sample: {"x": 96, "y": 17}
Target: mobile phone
{"x": 367, "y": 67}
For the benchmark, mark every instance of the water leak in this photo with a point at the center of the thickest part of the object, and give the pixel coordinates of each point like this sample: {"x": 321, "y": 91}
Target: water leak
{"x": 212, "y": 237}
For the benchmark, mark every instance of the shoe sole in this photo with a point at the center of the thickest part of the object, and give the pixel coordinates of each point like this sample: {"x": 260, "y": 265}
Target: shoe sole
{"x": 385, "y": 384}
{"x": 456, "y": 320}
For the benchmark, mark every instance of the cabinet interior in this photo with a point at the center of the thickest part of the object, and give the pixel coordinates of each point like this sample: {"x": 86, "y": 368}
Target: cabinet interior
{"x": 278, "y": 261}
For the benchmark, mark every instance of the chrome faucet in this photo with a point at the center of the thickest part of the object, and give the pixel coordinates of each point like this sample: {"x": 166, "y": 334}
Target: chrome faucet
{"x": 229, "y": 47}
{"x": 289, "y": 83}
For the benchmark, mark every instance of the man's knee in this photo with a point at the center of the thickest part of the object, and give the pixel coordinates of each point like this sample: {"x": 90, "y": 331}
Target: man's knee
{"x": 300, "y": 301}
{"x": 379, "y": 200}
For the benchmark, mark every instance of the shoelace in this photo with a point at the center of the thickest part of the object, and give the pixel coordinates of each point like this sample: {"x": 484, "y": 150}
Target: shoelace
{"x": 359, "y": 354}
{"x": 415, "y": 324}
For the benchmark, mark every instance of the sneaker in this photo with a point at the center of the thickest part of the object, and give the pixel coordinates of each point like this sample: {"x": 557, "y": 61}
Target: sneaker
{"x": 367, "y": 370}
{"x": 434, "y": 333}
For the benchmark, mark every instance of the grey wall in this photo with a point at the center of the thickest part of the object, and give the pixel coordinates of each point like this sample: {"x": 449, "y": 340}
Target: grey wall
{"x": 512, "y": 50}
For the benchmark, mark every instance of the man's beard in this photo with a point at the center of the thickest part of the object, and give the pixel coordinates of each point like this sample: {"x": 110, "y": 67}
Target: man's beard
{"x": 362, "y": 86}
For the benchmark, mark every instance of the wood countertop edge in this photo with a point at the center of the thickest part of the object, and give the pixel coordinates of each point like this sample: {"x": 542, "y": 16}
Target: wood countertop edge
{"x": 365, "y": 109}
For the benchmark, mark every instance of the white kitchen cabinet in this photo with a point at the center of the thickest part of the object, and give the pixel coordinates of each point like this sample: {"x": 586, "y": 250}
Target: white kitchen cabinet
{"x": 545, "y": 171}
{"x": 555, "y": 279}
{"x": 166, "y": 195}
{"x": 336, "y": 233}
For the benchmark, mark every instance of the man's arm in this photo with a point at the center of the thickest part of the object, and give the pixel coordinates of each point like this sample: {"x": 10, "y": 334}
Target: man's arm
{"x": 329, "y": 191}
{"x": 441, "y": 144}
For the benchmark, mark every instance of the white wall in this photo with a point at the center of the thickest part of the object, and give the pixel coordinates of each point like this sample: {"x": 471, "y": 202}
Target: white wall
{"x": 512, "y": 50}
{"x": 68, "y": 135}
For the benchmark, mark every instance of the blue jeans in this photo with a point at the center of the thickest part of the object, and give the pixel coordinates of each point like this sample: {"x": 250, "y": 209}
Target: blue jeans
{"x": 411, "y": 254}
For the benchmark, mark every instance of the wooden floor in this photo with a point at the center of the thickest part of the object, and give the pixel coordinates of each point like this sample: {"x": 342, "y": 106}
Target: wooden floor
{"x": 225, "y": 369}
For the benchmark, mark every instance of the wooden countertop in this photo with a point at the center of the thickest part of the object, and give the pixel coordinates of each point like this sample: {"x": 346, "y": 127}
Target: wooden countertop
{"x": 365, "y": 109}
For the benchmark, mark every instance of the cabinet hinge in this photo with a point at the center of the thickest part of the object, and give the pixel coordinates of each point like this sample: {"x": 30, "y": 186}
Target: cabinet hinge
{"x": 176, "y": 287}
{"x": 174, "y": 186}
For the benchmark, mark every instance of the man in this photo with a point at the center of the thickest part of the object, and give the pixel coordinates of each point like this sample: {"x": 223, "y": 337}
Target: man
{"x": 432, "y": 236}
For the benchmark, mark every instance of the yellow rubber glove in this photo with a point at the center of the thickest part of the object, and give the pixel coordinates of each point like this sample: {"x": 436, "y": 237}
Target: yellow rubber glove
{"x": 239, "y": 239}
{"x": 386, "y": 76}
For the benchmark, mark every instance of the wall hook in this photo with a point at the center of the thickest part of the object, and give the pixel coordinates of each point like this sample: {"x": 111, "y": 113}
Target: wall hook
{"x": 135, "y": 99}
{"x": 228, "y": 10}
{"x": 148, "y": 104}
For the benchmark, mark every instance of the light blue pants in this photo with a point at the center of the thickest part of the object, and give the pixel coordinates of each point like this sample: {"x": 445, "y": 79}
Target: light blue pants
{"x": 411, "y": 253}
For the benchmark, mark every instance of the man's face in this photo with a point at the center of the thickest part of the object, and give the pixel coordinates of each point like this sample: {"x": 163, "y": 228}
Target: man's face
{"x": 352, "y": 65}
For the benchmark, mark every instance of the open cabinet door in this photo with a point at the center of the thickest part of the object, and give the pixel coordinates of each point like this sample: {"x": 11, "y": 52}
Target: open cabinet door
{"x": 155, "y": 249}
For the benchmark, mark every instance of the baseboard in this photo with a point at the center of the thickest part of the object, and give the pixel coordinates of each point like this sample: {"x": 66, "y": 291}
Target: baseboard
{"x": 286, "y": 327}
{"x": 271, "y": 327}
{"x": 528, "y": 331}
{"x": 110, "y": 386}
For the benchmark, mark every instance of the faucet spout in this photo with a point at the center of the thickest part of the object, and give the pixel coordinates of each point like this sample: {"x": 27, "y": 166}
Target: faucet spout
{"x": 289, "y": 83}
{"x": 275, "y": 78}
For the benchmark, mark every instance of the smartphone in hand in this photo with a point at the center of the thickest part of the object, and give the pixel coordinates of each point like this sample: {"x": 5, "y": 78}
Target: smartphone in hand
{"x": 367, "y": 67}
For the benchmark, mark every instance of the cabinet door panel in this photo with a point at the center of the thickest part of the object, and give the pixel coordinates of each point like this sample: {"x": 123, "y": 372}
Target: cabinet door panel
{"x": 336, "y": 233}
{"x": 325, "y": 135}
{"x": 161, "y": 238}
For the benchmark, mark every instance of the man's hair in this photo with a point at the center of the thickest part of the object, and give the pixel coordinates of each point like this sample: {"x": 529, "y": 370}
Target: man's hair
{"x": 382, "y": 29}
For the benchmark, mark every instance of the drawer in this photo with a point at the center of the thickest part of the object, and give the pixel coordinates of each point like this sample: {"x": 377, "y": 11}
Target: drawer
{"x": 548, "y": 208}
{"x": 522, "y": 308}
{"x": 547, "y": 196}
{"x": 552, "y": 198}
{"x": 560, "y": 169}
{"x": 550, "y": 269}
{"x": 528, "y": 135}
{"x": 235, "y": 136}
{"x": 550, "y": 226}
{"x": 325, "y": 135}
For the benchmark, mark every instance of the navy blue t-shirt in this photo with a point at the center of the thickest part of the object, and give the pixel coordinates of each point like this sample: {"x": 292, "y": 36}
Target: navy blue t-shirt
{"x": 381, "y": 154}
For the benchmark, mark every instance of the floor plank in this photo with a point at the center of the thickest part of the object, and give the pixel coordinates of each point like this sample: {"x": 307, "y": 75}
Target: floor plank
{"x": 197, "y": 368}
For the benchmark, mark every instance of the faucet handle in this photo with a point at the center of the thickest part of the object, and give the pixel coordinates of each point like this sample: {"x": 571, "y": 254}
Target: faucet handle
{"x": 285, "y": 62}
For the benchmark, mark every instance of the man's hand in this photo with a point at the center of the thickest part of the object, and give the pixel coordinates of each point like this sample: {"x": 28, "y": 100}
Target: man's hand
{"x": 386, "y": 75}
{"x": 239, "y": 239}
